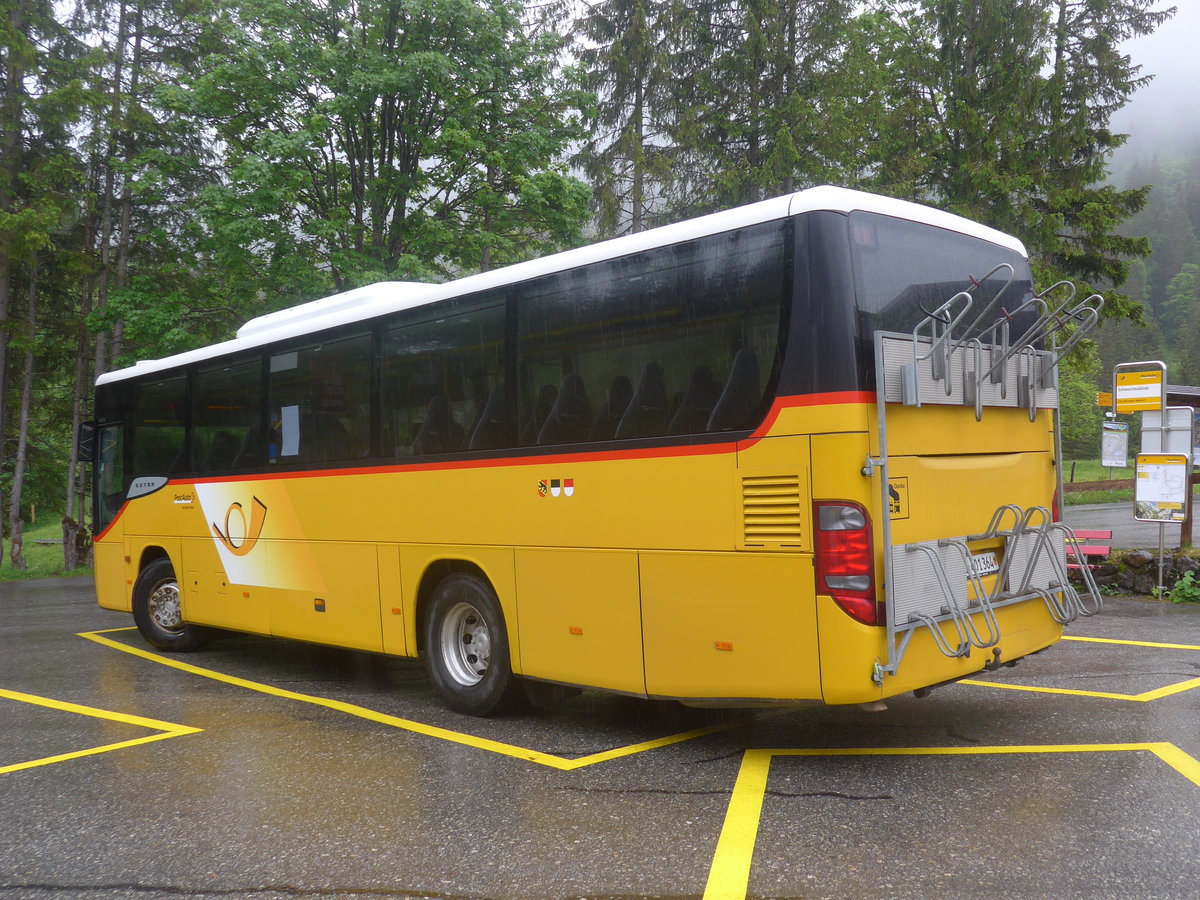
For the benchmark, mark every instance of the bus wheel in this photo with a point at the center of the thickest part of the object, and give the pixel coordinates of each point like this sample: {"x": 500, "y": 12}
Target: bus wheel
{"x": 466, "y": 647}
{"x": 157, "y": 611}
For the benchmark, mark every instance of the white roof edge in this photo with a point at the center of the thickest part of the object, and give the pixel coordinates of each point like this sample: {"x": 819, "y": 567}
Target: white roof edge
{"x": 845, "y": 200}
{"x": 393, "y": 296}
{"x": 345, "y": 302}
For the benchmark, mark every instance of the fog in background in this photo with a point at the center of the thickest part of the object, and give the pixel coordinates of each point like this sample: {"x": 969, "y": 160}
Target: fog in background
{"x": 1163, "y": 118}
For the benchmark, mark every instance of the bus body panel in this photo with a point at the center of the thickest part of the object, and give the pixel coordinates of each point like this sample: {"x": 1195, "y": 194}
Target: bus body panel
{"x": 720, "y": 625}
{"x": 211, "y": 598}
{"x": 579, "y": 617}
{"x": 345, "y": 611}
{"x": 776, "y": 503}
{"x": 952, "y": 430}
{"x": 955, "y": 496}
{"x": 1025, "y": 628}
{"x": 849, "y": 650}
{"x": 113, "y": 583}
{"x": 394, "y": 607}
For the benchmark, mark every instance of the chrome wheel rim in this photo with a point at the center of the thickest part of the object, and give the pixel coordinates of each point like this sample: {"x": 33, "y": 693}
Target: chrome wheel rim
{"x": 163, "y": 606}
{"x": 466, "y": 644}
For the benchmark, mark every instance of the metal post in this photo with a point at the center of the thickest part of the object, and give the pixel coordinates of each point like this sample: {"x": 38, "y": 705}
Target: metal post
{"x": 1185, "y": 533}
{"x": 1162, "y": 530}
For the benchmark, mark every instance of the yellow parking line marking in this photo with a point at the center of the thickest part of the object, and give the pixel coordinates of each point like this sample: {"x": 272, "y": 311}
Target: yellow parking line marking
{"x": 729, "y": 876}
{"x": 445, "y": 734}
{"x": 1144, "y": 697}
{"x": 165, "y": 729}
{"x": 1096, "y": 640}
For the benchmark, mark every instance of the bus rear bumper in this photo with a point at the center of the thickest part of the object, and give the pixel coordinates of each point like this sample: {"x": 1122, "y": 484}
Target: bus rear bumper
{"x": 850, "y": 652}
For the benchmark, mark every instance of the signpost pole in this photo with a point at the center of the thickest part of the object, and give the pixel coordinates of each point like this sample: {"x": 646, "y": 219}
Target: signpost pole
{"x": 1162, "y": 530}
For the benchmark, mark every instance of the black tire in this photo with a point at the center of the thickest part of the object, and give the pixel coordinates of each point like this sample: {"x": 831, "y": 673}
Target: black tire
{"x": 466, "y": 647}
{"x": 157, "y": 612}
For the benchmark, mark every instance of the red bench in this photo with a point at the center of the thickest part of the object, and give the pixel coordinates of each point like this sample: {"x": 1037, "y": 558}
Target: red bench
{"x": 1094, "y": 545}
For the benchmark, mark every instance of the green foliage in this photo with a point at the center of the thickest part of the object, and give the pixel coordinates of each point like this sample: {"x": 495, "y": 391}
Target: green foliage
{"x": 1186, "y": 590}
{"x": 1080, "y": 417}
{"x": 383, "y": 140}
{"x": 1009, "y": 104}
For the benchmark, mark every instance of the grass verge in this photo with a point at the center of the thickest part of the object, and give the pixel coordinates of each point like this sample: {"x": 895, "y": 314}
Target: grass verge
{"x": 42, "y": 560}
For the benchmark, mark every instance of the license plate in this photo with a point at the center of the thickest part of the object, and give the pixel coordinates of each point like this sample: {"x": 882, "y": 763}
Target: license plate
{"x": 984, "y": 563}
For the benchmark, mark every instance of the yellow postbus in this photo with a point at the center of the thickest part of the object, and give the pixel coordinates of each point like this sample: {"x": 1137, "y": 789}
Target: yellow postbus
{"x": 800, "y": 450}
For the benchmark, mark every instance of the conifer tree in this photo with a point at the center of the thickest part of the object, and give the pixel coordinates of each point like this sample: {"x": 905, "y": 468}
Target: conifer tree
{"x": 1012, "y": 102}
{"x": 627, "y": 156}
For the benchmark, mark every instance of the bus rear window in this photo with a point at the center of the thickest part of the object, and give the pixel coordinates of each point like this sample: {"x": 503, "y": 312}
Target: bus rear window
{"x": 903, "y": 271}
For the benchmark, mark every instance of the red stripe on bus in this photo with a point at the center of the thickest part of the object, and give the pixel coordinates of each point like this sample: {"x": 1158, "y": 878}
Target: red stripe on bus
{"x": 796, "y": 401}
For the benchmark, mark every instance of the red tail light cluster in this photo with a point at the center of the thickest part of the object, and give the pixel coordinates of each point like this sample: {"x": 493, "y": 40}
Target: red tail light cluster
{"x": 845, "y": 559}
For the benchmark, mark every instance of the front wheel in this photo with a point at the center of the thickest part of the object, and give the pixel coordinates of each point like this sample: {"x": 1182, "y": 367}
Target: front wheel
{"x": 466, "y": 647}
{"x": 158, "y": 613}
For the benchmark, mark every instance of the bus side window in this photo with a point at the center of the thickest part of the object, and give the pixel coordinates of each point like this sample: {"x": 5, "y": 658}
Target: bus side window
{"x": 570, "y": 418}
{"x": 442, "y": 377}
{"x": 227, "y": 418}
{"x": 675, "y": 319}
{"x": 647, "y": 414}
{"x": 741, "y": 395}
{"x": 320, "y": 401}
{"x": 616, "y": 401}
{"x": 158, "y": 428}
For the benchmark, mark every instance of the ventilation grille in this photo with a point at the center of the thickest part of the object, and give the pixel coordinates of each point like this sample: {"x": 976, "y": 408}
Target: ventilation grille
{"x": 771, "y": 510}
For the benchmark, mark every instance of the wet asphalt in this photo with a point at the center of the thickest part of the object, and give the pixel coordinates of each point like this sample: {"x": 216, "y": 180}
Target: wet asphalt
{"x": 273, "y": 769}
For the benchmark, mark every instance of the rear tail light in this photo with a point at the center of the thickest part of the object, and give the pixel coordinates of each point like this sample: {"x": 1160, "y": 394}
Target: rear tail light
{"x": 845, "y": 559}
{"x": 1056, "y": 507}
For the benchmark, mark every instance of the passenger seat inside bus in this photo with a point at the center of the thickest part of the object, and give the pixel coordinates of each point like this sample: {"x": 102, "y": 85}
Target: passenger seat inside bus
{"x": 570, "y": 418}
{"x": 741, "y": 395}
{"x": 647, "y": 412}
{"x": 491, "y": 431}
{"x": 620, "y": 392}
{"x": 547, "y": 394}
{"x": 439, "y": 433}
{"x": 703, "y": 392}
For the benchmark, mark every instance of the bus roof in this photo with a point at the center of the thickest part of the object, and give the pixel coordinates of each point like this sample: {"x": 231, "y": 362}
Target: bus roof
{"x": 394, "y": 296}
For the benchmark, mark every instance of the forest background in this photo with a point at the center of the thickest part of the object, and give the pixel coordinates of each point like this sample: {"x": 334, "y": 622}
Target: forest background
{"x": 171, "y": 168}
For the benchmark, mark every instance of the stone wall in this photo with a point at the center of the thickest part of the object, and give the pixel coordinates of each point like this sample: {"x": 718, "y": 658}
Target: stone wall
{"x": 1137, "y": 570}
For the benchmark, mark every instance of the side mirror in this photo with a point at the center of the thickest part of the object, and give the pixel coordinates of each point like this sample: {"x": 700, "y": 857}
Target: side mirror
{"x": 85, "y": 442}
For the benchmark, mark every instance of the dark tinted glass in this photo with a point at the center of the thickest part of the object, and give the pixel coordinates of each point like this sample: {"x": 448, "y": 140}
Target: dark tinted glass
{"x": 320, "y": 401}
{"x": 677, "y": 340}
{"x": 110, "y": 474}
{"x": 159, "y": 430}
{"x": 442, "y": 380}
{"x": 905, "y": 270}
{"x": 227, "y": 418}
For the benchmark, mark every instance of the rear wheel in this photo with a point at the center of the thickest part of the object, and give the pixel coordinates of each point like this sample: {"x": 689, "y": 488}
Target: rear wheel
{"x": 466, "y": 647}
{"x": 158, "y": 612}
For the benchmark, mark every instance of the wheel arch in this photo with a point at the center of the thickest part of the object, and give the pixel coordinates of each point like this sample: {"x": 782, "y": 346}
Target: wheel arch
{"x": 436, "y": 572}
{"x": 148, "y": 554}
{"x": 495, "y": 569}
{"x": 153, "y": 552}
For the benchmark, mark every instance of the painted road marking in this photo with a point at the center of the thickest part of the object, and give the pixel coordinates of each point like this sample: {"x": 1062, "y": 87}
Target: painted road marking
{"x": 729, "y": 876}
{"x": 536, "y": 756}
{"x": 1144, "y": 697}
{"x": 165, "y": 729}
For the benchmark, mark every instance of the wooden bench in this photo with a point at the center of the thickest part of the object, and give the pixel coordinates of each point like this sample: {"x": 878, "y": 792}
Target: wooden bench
{"x": 1094, "y": 544}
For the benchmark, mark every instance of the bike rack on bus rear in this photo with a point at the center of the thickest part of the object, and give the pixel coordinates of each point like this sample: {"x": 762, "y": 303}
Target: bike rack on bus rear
{"x": 933, "y": 584}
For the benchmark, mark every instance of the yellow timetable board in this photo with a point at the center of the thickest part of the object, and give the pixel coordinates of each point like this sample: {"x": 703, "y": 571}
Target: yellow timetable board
{"x": 1138, "y": 391}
